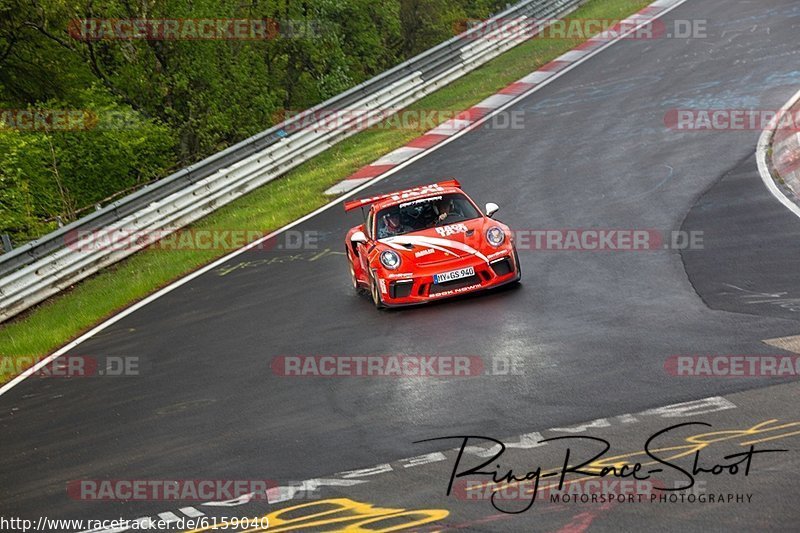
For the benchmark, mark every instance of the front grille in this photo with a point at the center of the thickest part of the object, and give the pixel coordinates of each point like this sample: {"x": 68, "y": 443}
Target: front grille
{"x": 436, "y": 288}
{"x": 502, "y": 267}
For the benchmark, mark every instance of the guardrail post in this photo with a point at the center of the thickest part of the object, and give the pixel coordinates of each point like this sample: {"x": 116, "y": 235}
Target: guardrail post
{"x": 7, "y": 247}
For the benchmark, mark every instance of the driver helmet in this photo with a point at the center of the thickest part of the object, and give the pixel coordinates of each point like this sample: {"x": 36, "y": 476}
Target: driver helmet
{"x": 444, "y": 206}
{"x": 392, "y": 221}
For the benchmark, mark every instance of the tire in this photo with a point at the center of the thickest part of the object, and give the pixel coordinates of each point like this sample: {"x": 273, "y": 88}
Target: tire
{"x": 519, "y": 268}
{"x": 375, "y": 292}
{"x": 356, "y": 287}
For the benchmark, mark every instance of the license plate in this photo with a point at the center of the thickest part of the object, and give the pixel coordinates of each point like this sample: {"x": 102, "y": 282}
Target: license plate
{"x": 454, "y": 274}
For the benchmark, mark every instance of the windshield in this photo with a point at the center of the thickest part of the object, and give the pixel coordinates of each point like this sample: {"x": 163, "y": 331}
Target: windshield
{"x": 424, "y": 213}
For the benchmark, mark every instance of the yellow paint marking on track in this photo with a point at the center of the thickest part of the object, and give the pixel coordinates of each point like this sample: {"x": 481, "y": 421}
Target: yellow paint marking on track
{"x": 748, "y": 443}
{"x": 790, "y": 344}
{"x": 352, "y": 516}
{"x": 698, "y": 443}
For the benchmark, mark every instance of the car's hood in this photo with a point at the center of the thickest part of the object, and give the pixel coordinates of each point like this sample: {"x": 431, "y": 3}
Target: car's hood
{"x": 443, "y": 243}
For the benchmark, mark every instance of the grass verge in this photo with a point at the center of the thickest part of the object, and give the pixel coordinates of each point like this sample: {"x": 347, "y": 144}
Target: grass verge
{"x": 62, "y": 318}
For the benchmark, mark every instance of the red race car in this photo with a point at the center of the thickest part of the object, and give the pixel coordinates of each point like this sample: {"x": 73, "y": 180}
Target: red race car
{"x": 428, "y": 243}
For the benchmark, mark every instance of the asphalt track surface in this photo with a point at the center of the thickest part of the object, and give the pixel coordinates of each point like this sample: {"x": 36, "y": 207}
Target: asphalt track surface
{"x": 592, "y": 329}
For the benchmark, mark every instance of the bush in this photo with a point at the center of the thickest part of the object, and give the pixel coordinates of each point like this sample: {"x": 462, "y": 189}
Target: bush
{"x": 44, "y": 174}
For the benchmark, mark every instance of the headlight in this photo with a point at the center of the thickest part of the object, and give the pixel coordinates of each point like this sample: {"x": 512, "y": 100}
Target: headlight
{"x": 390, "y": 259}
{"x": 495, "y": 236}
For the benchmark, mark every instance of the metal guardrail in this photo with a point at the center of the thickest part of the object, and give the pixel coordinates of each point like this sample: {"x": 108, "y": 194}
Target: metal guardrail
{"x": 34, "y": 271}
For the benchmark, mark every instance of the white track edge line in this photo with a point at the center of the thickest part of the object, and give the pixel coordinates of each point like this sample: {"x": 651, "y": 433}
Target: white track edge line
{"x": 763, "y": 166}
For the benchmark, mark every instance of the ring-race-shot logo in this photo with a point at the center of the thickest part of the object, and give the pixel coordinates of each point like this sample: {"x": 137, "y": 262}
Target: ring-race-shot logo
{"x": 595, "y": 491}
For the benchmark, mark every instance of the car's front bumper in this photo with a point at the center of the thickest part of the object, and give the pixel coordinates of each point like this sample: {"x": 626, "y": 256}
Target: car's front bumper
{"x": 418, "y": 288}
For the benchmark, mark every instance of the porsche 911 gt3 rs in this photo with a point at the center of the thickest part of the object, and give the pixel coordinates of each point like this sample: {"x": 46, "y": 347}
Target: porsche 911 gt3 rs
{"x": 428, "y": 243}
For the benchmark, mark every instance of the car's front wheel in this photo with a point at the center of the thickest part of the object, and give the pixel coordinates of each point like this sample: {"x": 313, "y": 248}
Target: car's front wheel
{"x": 375, "y": 292}
{"x": 354, "y": 280}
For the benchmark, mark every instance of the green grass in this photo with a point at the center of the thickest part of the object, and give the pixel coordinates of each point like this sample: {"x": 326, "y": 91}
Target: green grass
{"x": 52, "y": 324}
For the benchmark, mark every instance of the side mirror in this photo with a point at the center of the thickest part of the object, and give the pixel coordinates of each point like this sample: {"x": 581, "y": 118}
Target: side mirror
{"x": 491, "y": 209}
{"x": 358, "y": 237}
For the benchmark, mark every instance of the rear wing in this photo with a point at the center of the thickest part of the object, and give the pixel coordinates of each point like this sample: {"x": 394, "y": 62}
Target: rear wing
{"x": 400, "y": 195}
